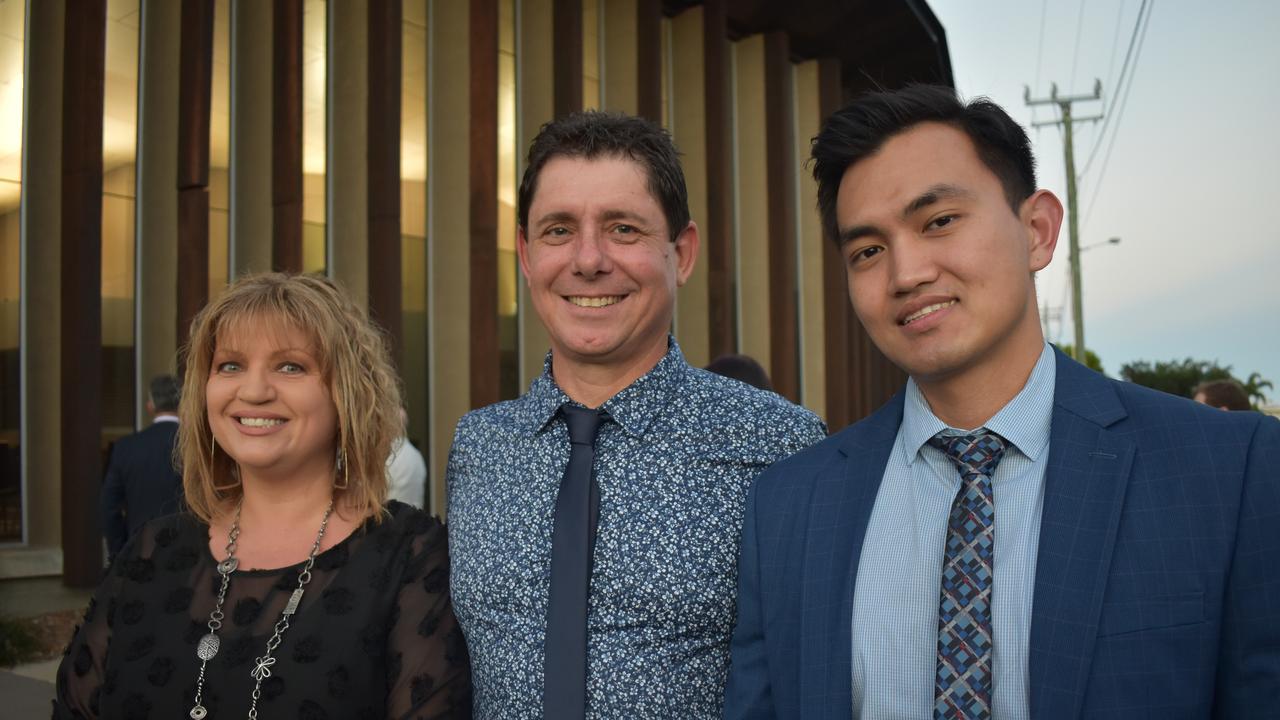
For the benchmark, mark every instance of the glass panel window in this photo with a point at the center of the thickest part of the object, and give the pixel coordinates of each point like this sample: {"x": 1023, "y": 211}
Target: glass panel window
{"x": 12, "y": 31}
{"x": 590, "y": 54}
{"x": 508, "y": 264}
{"x": 314, "y": 44}
{"x": 119, "y": 194}
{"x": 413, "y": 220}
{"x": 220, "y": 151}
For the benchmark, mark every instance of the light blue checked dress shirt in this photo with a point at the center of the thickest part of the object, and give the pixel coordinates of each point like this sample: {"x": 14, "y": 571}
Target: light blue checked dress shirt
{"x": 895, "y": 603}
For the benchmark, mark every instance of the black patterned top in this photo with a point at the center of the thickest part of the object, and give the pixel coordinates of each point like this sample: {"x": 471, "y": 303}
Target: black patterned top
{"x": 673, "y": 462}
{"x": 374, "y": 636}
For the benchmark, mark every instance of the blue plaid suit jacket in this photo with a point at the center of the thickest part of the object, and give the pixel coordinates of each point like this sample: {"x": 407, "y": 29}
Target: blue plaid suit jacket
{"x": 1157, "y": 591}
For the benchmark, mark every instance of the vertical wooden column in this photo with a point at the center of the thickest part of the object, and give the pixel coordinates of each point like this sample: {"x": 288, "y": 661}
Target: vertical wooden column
{"x": 159, "y": 332}
{"x": 252, "y": 27}
{"x": 749, "y": 190}
{"x": 195, "y": 90}
{"x": 649, "y": 59}
{"x": 838, "y": 319}
{"x": 41, "y": 309}
{"x": 721, "y": 263}
{"x": 812, "y": 245}
{"x": 780, "y": 162}
{"x": 536, "y": 97}
{"x": 385, "y": 47}
{"x": 688, "y": 127}
{"x": 355, "y": 148}
{"x": 84, "y": 62}
{"x": 566, "y": 56}
{"x": 448, "y": 232}
{"x": 619, "y": 55}
{"x": 286, "y": 134}
{"x": 484, "y": 201}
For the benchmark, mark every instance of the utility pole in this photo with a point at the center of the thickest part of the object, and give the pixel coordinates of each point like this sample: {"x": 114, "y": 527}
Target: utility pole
{"x": 1066, "y": 120}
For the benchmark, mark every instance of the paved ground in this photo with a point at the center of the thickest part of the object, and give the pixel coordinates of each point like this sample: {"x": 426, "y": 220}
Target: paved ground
{"x": 26, "y": 690}
{"x": 26, "y": 697}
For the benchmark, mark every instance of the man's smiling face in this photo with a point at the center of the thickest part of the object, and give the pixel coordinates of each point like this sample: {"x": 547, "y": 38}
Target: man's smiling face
{"x": 600, "y": 262}
{"x": 939, "y": 266}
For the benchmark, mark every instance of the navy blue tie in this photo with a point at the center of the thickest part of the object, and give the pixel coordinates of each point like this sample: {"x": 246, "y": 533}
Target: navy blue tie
{"x": 564, "y": 692}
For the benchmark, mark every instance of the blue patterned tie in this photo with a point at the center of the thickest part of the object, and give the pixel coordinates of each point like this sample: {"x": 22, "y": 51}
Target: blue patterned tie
{"x": 962, "y": 686}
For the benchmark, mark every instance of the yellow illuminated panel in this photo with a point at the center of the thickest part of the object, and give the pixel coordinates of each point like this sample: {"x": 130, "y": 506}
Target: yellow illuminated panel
{"x": 590, "y": 54}
{"x": 119, "y": 196}
{"x": 413, "y": 219}
{"x": 12, "y": 45}
{"x": 314, "y": 58}
{"x": 220, "y": 151}
{"x": 508, "y": 265}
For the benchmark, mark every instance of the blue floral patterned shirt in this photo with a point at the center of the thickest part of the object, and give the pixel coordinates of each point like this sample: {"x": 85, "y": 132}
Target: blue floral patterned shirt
{"x": 673, "y": 462}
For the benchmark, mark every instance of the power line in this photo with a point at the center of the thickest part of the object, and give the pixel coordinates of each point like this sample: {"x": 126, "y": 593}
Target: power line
{"x": 1044, "y": 11}
{"x": 1075, "y": 55}
{"x": 1124, "y": 102}
{"x": 1118, "y": 86}
{"x": 1115, "y": 45}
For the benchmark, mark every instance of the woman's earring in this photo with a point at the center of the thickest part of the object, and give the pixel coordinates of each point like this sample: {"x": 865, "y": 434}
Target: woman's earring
{"x": 340, "y": 470}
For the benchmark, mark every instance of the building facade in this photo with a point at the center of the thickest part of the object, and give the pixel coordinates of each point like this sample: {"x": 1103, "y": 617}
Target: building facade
{"x": 151, "y": 150}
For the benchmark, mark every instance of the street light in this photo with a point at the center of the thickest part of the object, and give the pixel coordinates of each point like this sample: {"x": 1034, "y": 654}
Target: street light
{"x": 1108, "y": 241}
{"x": 1077, "y": 301}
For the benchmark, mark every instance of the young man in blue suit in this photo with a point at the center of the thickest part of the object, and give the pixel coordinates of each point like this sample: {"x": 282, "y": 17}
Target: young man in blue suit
{"x": 1013, "y": 535}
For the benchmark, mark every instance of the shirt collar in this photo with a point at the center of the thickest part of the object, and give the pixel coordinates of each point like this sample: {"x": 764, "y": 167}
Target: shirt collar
{"x": 633, "y": 408}
{"x": 1024, "y": 421}
{"x": 166, "y": 417}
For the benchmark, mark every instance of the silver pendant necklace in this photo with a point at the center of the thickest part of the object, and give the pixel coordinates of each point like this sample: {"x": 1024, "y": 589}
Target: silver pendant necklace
{"x": 209, "y": 644}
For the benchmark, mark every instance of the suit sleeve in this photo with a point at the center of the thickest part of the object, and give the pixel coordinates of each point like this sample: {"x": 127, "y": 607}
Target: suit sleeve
{"x": 748, "y": 693}
{"x": 1248, "y": 680}
{"x": 111, "y": 505}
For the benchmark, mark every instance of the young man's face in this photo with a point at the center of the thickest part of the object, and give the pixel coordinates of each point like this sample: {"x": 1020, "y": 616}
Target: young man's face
{"x": 601, "y": 266}
{"x": 939, "y": 266}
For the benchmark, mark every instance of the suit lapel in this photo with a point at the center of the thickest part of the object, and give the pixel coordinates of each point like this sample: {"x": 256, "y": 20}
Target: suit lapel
{"x": 839, "y": 512}
{"x": 1085, "y": 481}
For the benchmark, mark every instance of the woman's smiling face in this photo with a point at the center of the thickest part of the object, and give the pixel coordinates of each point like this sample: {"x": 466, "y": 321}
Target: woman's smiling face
{"x": 268, "y": 404}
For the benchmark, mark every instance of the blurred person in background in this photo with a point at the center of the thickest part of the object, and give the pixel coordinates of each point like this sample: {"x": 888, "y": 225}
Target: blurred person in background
{"x": 742, "y": 368}
{"x": 406, "y": 470}
{"x": 142, "y": 483}
{"x": 1222, "y": 394}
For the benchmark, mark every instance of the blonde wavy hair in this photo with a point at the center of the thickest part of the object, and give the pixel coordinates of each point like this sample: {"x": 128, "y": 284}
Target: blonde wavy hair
{"x": 355, "y": 364}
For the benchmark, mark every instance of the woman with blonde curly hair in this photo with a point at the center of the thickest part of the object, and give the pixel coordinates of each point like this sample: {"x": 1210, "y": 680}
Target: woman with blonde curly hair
{"x": 291, "y": 588}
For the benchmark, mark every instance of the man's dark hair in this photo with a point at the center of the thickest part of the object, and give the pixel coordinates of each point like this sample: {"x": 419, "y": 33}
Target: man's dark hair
{"x": 166, "y": 391}
{"x": 594, "y": 134}
{"x": 1223, "y": 394}
{"x": 857, "y": 131}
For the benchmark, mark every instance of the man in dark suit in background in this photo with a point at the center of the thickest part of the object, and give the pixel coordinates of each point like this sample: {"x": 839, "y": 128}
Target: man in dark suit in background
{"x": 1013, "y": 535}
{"x": 141, "y": 482}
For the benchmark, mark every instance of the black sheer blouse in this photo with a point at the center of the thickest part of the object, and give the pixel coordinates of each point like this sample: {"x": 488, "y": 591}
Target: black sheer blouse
{"x": 374, "y": 636}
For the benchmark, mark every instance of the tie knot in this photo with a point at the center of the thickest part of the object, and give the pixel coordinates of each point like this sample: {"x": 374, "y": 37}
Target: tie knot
{"x": 974, "y": 453}
{"x": 583, "y": 423}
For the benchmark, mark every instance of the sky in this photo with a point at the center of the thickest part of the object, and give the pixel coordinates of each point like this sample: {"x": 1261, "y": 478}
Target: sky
{"x": 1190, "y": 181}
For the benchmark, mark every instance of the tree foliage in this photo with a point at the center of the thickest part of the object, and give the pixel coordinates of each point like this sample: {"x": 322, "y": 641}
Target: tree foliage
{"x": 1180, "y": 377}
{"x": 1091, "y": 359}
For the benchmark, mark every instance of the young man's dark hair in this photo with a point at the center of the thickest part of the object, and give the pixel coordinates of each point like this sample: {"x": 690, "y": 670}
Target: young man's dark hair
{"x": 1224, "y": 394}
{"x": 594, "y": 134}
{"x": 165, "y": 393}
{"x": 859, "y": 129}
